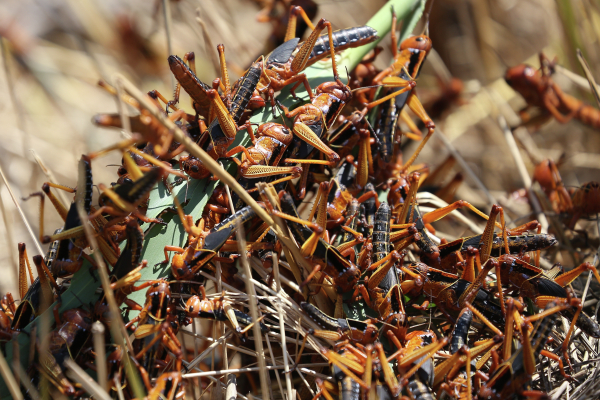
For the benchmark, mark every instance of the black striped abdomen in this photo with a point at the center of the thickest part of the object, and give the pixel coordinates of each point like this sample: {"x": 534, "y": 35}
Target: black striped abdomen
{"x": 342, "y": 39}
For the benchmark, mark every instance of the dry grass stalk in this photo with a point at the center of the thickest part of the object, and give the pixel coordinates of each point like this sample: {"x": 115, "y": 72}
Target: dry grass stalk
{"x": 79, "y": 375}
{"x": 34, "y": 238}
{"x": 99, "y": 349}
{"x": 264, "y": 379}
{"x": 9, "y": 378}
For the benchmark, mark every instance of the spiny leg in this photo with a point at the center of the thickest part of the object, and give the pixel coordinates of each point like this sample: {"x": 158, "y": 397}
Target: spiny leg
{"x": 413, "y": 181}
{"x": 323, "y": 392}
{"x": 469, "y": 270}
{"x": 156, "y": 95}
{"x": 415, "y": 106}
{"x": 556, "y": 358}
{"x": 381, "y": 268}
{"x": 60, "y": 208}
{"x": 303, "y": 54}
{"x": 263, "y": 171}
{"x": 393, "y": 33}
{"x": 488, "y": 234}
{"x": 484, "y": 319}
{"x": 568, "y": 277}
{"x": 414, "y": 132}
{"x": 472, "y": 290}
{"x": 344, "y": 364}
{"x": 24, "y": 260}
{"x": 435, "y": 215}
{"x": 320, "y": 205}
{"x": 365, "y": 159}
{"x": 224, "y": 75}
{"x": 565, "y": 346}
{"x": 290, "y": 32}
{"x": 46, "y": 280}
{"x": 306, "y": 162}
{"x": 393, "y": 82}
{"x": 388, "y": 374}
{"x": 157, "y": 162}
{"x": 309, "y": 224}
{"x": 242, "y": 149}
{"x": 307, "y": 135}
{"x": 508, "y": 329}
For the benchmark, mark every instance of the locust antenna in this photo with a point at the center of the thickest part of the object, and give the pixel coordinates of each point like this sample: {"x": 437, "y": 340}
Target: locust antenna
{"x": 427, "y": 13}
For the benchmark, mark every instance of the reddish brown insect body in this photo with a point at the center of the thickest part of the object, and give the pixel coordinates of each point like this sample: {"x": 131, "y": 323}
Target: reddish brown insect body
{"x": 261, "y": 160}
{"x": 586, "y": 201}
{"x": 546, "y": 173}
{"x": 539, "y": 90}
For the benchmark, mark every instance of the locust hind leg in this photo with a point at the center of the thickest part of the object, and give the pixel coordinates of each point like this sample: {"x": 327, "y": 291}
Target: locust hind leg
{"x": 415, "y": 105}
{"x": 414, "y": 133}
{"x": 290, "y": 32}
{"x": 261, "y": 171}
{"x": 58, "y": 205}
{"x": 24, "y": 260}
{"x": 306, "y": 134}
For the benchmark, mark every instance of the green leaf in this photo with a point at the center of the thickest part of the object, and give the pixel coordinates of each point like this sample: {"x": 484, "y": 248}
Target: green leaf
{"x": 159, "y": 236}
{"x": 382, "y": 195}
{"x": 196, "y": 193}
{"x": 358, "y": 310}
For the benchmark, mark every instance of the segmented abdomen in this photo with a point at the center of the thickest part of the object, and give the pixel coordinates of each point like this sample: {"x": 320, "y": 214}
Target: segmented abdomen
{"x": 85, "y": 183}
{"x": 350, "y": 389}
{"x": 419, "y": 391}
{"x": 322, "y": 319}
{"x": 589, "y": 116}
{"x": 244, "y": 92}
{"x": 342, "y": 39}
{"x": 52, "y": 251}
{"x": 381, "y": 232}
{"x": 461, "y": 330}
{"x": 386, "y": 129}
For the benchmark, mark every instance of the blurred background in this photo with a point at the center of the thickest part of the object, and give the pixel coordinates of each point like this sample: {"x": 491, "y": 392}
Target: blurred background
{"x": 55, "y": 51}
